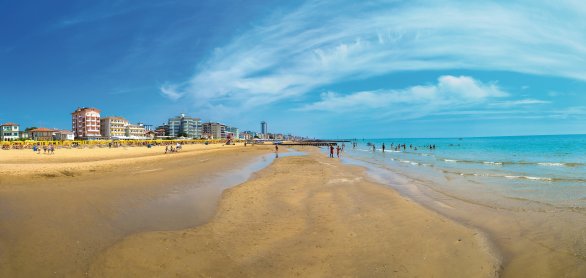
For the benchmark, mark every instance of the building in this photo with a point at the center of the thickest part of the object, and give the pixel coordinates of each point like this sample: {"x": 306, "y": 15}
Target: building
{"x": 150, "y": 134}
{"x": 9, "y": 132}
{"x": 234, "y": 131}
{"x": 63, "y": 135}
{"x": 214, "y": 130}
{"x": 184, "y": 126}
{"x": 146, "y": 127}
{"x": 134, "y": 132}
{"x": 264, "y": 129}
{"x": 161, "y": 131}
{"x": 247, "y": 135}
{"x": 23, "y": 134}
{"x": 113, "y": 127}
{"x": 42, "y": 134}
{"x": 85, "y": 123}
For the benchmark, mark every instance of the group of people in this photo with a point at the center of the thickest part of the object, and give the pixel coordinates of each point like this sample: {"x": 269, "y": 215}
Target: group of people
{"x": 338, "y": 150}
{"x": 46, "y": 149}
{"x": 398, "y": 147}
{"x": 170, "y": 149}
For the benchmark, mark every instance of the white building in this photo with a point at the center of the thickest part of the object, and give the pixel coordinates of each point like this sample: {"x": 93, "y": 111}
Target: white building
{"x": 9, "y": 131}
{"x": 134, "y": 132}
{"x": 63, "y": 135}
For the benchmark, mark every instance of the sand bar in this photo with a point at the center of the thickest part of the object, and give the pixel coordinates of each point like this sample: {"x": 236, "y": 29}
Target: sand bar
{"x": 307, "y": 216}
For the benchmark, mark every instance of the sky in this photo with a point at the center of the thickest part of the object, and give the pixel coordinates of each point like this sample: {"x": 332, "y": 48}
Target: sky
{"x": 325, "y": 69}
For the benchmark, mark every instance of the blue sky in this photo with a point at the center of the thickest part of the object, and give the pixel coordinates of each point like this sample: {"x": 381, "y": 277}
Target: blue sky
{"x": 314, "y": 68}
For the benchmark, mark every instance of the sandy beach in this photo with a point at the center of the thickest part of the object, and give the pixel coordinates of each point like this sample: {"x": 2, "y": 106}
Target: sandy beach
{"x": 300, "y": 216}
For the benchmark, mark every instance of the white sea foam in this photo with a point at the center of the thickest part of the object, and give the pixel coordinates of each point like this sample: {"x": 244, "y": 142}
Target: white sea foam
{"x": 556, "y": 164}
{"x": 529, "y": 178}
{"x": 450, "y": 160}
{"x": 492, "y": 163}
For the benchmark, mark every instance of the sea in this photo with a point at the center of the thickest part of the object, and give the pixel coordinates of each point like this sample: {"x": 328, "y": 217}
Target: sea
{"x": 547, "y": 169}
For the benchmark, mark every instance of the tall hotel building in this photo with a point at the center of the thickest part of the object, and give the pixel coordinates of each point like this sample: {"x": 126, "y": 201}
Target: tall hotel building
{"x": 113, "y": 127}
{"x": 184, "y": 126}
{"x": 85, "y": 123}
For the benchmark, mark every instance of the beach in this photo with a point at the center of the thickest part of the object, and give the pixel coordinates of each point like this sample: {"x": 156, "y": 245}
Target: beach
{"x": 303, "y": 215}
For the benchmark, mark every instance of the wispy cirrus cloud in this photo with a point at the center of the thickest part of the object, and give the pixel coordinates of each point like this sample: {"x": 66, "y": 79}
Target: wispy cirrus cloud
{"x": 321, "y": 43}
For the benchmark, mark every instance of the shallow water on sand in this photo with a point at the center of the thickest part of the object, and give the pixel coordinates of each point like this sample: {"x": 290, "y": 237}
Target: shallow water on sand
{"x": 191, "y": 205}
{"x": 57, "y": 230}
{"x": 538, "y": 225}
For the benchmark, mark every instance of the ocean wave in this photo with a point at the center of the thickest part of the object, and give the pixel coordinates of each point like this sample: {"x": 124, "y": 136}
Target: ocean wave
{"x": 492, "y": 163}
{"x": 529, "y": 178}
{"x": 557, "y": 164}
{"x": 501, "y": 163}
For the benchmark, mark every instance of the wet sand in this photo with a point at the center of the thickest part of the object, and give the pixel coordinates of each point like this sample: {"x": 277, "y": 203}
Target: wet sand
{"x": 535, "y": 239}
{"x": 56, "y": 217}
{"x": 307, "y": 216}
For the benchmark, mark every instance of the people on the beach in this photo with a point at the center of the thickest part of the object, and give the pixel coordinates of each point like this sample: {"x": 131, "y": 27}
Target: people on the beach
{"x": 276, "y": 148}
{"x": 331, "y": 151}
{"x": 383, "y": 147}
{"x": 373, "y": 147}
{"x": 338, "y": 151}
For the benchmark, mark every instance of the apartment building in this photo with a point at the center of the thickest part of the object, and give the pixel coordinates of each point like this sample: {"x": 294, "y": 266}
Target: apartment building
{"x": 134, "y": 131}
{"x": 113, "y": 127}
{"x": 85, "y": 123}
{"x": 184, "y": 126}
{"x": 214, "y": 130}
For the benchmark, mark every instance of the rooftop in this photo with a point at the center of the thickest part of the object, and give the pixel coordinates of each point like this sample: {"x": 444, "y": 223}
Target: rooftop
{"x": 42, "y": 129}
{"x": 9, "y": 124}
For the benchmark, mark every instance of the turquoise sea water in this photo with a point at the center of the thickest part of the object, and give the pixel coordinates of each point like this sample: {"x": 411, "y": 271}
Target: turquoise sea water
{"x": 549, "y": 170}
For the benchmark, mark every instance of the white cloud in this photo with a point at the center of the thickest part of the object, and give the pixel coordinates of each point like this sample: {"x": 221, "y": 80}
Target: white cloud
{"x": 170, "y": 91}
{"x": 448, "y": 93}
{"x": 520, "y": 102}
{"x": 322, "y": 43}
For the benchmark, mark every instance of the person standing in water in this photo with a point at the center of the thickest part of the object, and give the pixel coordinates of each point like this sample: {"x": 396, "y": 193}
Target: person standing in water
{"x": 383, "y": 147}
{"x": 331, "y": 151}
{"x": 373, "y": 148}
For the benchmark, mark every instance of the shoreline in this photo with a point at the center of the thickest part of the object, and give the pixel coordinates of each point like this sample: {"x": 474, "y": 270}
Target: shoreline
{"x": 292, "y": 211}
{"x": 534, "y": 240}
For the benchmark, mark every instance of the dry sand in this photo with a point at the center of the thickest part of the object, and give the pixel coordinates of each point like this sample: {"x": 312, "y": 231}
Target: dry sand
{"x": 310, "y": 217}
{"x": 63, "y": 161}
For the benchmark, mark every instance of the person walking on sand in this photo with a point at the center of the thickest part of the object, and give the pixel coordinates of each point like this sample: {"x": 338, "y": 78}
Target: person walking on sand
{"x": 331, "y": 151}
{"x": 276, "y": 148}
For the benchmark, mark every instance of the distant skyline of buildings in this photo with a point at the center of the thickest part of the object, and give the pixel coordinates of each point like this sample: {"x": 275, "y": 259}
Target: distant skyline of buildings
{"x": 87, "y": 123}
